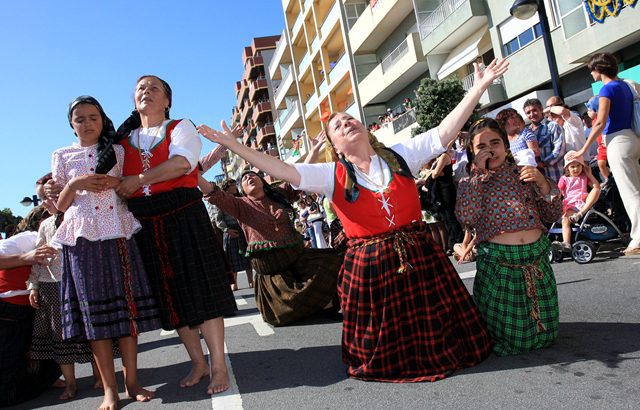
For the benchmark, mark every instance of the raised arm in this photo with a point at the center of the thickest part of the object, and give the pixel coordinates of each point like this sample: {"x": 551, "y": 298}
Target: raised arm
{"x": 453, "y": 123}
{"x": 271, "y": 165}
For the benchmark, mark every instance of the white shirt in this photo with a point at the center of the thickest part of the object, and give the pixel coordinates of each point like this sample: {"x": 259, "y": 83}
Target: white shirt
{"x": 17, "y": 245}
{"x": 416, "y": 152}
{"x": 574, "y": 134}
{"x": 95, "y": 216}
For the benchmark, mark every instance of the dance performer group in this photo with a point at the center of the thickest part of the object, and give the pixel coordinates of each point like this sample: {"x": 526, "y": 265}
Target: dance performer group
{"x": 138, "y": 251}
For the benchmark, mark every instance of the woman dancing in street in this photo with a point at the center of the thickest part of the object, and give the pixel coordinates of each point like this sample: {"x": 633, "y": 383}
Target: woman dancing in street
{"x": 407, "y": 315}
{"x": 292, "y": 282}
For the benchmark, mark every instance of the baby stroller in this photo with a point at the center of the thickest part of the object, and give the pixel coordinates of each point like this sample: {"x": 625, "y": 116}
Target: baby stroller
{"x": 596, "y": 230}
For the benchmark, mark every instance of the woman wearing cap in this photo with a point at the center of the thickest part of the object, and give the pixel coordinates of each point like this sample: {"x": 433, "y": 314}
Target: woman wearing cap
{"x": 407, "y": 315}
{"x": 182, "y": 257}
{"x": 615, "y": 113}
{"x": 292, "y": 282}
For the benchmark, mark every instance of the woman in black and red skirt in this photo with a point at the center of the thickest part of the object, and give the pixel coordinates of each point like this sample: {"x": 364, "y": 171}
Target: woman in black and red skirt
{"x": 407, "y": 315}
{"x": 182, "y": 257}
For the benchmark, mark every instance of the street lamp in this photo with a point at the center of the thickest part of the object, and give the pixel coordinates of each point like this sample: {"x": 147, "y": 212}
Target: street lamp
{"x": 26, "y": 201}
{"x": 525, "y": 9}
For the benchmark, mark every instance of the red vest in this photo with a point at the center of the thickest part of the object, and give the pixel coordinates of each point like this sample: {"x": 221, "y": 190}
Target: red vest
{"x": 133, "y": 164}
{"x": 374, "y": 213}
{"x": 15, "y": 279}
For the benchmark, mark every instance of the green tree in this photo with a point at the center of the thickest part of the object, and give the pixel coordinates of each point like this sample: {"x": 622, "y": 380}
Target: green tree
{"x": 7, "y": 218}
{"x": 434, "y": 100}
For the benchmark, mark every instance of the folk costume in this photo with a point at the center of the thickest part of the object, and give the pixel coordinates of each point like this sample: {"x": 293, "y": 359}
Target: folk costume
{"x": 105, "y": 290}
{"x": 407, "y": 315}
{"x": 514, "y": 287}
{"x": 291, "y": 282}
{"x": 47, "y": 342}
{"x": 184, "y": 261}
{"x": 20, "y": 380}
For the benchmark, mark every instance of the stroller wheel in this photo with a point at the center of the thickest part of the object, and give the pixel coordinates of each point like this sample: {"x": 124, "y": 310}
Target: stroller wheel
{"x": 583, "y": 251}
{"x": 555, "y": 256}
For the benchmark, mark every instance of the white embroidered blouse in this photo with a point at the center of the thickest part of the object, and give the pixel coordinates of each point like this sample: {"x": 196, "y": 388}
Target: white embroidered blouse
{"x": 95, "y": 216}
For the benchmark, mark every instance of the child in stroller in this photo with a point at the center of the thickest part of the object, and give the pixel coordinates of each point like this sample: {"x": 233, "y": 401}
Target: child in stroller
{"x": 577, "y": 199}
{"x": 594, "y": 232}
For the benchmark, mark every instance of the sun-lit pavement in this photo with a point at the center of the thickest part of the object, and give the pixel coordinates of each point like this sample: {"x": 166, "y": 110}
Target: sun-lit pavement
{"x": 594, "y": 364}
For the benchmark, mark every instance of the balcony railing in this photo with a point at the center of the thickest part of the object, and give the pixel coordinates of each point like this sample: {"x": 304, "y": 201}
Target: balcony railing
{"x": 393, "y": 57}
{"x": 467, "y": 82}
{"x": 259, "y": 109}
{"x": 328, "y": 21}
{"x": 303, "y": 63}
{"x": 433, "y": 20}
{"x": 264, "y": 132}
{"x": 404, "y": 120}
{"x": 282, "y": 87}
{"x": 257, "y": 85}
{"x": 311, "y": 103}
{"x": 296, "y": 26}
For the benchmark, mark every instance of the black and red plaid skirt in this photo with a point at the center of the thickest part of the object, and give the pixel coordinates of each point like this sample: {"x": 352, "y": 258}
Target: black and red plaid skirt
{"x": 407, "y": 315}
{"x": 185, "y": 263}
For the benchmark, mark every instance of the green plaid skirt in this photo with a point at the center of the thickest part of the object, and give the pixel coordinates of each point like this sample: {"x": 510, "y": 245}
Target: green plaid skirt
{"x": 516, "y": 293}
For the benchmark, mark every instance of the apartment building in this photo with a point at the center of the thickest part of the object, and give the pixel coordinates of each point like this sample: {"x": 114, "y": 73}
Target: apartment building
{"x": 313, "y": 71}
{"x": 575, "y": 38}
{"x": 254, "y": 109}
{"x": 396, "y": 43}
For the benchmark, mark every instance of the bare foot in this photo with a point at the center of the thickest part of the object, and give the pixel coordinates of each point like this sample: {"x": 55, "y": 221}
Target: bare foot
{"x": 110, "y": 400}
{"x": 219, "y": 381}
{"x": 139, "y": 394}
{"x": 198, "y": 371}
{"x": 59, "y": 384}
{"x": 69, "y": 392}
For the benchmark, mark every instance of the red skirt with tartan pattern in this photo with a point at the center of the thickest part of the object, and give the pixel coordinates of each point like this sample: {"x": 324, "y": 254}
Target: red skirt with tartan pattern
{"x": 419, "y": 325}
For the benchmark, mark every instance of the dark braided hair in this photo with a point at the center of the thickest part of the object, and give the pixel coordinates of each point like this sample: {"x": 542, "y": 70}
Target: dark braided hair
{"x": 106, "y": 154}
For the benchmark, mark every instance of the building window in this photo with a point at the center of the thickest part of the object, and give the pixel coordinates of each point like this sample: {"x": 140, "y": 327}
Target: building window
{"x": 353, "y": 12}
{"x": 573, "y": 16}
{"x": 522, "y": 39}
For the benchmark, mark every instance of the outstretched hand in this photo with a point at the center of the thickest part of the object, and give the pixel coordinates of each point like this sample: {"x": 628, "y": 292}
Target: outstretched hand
{"x": 487, "y": 76}
{"x": 224, "y": 137}
{"x": 318, "y": 141}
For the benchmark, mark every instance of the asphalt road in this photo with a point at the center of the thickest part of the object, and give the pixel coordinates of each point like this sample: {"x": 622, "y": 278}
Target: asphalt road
{"x": 595, "y": 363}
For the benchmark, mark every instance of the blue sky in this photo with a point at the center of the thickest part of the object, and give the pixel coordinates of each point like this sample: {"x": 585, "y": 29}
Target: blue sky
{"x": 53, "y": 51}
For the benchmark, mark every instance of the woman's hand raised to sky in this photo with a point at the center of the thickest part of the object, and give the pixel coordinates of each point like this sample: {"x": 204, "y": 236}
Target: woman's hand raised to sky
{"x": 487, "y": 76}
{"x": 224, "y": 137}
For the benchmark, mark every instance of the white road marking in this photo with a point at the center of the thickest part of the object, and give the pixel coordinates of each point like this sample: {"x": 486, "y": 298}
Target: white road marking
{"x": 166, "y": 332}
{"x": 467, "y": 275}
{"x": 255, "y": 320}
{"x": 230, "y": 399}
{"x": 241, "y": 301}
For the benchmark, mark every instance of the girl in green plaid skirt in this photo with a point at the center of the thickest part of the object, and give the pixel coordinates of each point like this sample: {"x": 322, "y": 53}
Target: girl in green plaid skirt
{"x": 515, "y": 287}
